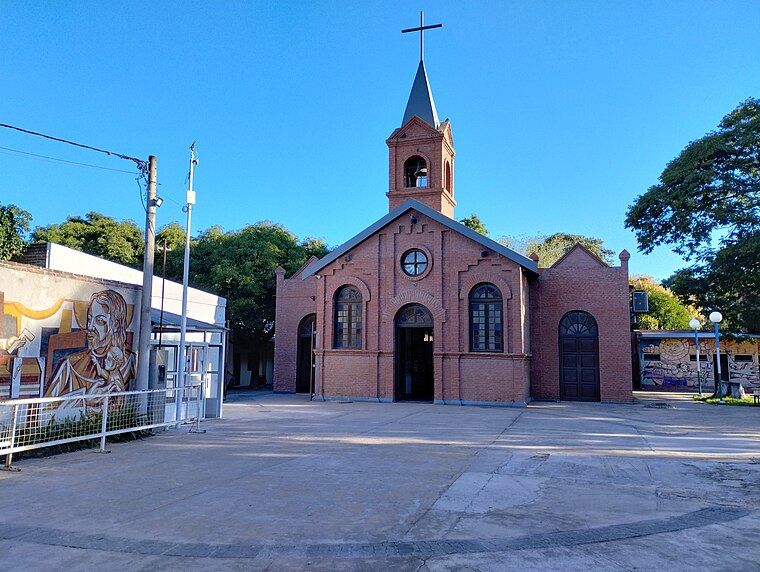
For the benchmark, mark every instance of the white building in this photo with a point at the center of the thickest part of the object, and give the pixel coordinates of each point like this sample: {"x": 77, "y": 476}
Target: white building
{"x": 206, "y": 337}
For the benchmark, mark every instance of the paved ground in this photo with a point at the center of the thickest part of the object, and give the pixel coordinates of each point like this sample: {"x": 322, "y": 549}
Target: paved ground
{"x": 285, "y": 484}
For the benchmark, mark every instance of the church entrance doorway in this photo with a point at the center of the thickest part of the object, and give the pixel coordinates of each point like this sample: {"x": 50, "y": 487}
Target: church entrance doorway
{"x": 414, "y": 354}
{"x": 305, "y": 367}
{"x": 579, "y": 357}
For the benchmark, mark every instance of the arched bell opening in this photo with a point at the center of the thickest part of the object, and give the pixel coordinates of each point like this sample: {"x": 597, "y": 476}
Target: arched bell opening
{"x": 415, "y": 172}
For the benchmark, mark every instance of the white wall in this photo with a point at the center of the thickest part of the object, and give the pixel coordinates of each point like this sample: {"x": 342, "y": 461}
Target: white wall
{"x": 42, "y": 307}
{"x": 201, "y": 305}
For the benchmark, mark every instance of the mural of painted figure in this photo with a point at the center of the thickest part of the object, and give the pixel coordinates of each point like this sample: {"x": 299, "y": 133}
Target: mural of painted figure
{"x": 107, "y": 365}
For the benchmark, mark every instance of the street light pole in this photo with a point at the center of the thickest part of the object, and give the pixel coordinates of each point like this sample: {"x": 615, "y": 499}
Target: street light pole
{"x": 694, "y": 323}
{"x": 715, "y": 318}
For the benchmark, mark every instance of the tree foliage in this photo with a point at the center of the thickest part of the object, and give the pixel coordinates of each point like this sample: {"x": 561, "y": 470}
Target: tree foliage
{"x": 729, "y": 280}
{"x": 713, "y": 185}
{"x": 551, "y": 248}
{"x": 174, "y": 234}
{"x": 240, "y": 265}
{"x": 473, "y": 222}
{"x": 98, "y": 235}
{"x": 707, "y": 207}
{"x": 666, "y": 310}
{"x": 14, "y": 225}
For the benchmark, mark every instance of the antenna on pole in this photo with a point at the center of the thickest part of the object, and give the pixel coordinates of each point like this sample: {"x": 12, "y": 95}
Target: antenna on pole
{"x": 182, "y": 361}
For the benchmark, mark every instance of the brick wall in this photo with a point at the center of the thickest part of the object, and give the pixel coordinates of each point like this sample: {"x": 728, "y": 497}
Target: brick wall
{"x": 580, "y": 281}
{"x": 294, "y": 302}
{"x": 435, "y": 146}
{"x": 457, "y": 264}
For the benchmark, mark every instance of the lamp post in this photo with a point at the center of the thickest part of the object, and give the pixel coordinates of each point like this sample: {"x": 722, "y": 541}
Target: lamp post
{"x": 694, "y": 323}
{"x": 715, "y": 318}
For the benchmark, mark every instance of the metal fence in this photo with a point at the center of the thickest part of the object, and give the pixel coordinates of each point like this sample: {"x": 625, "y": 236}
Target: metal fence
{"x": 44, "y": 422}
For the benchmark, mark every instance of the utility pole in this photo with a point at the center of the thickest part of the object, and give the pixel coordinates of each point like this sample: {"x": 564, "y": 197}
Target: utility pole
{"x": 182, "y": 361}
{"x": 146, "y": 329}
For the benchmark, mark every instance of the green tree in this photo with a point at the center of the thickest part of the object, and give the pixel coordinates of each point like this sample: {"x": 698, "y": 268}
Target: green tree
{"x": 707, "y": 208}
{"x": 240, "y": 265}
{"x": 473, "y": 222}
{"x": 551, "y": 248}
{"x": 666, "y": 310}
{"x": 14, "y": 225}
{"x": 713, "y": 185}
{"x": 727, "y": 280}
{"x": 98, "y": 235}
{"x": 174, "y": 234}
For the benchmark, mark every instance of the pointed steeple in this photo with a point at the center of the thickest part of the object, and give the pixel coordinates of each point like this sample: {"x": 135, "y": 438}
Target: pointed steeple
{"x": 421, "y": 101}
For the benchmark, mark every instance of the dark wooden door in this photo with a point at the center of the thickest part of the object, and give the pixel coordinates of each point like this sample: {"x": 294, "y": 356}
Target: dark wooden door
{"x": 305, "y": 359}
{"x": 580, "y": 370}
{"x": 579, "y": 358}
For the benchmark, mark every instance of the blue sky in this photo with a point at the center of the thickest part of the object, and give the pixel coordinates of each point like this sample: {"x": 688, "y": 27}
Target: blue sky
{"x": 562, "y": 112}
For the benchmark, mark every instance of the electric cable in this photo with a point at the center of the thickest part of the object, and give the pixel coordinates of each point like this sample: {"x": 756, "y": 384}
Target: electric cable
{"x": 142, "y": 165}
{"x": 46, "y": 157}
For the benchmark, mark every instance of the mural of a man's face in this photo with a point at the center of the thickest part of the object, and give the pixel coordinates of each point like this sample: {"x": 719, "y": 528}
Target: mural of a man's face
{"x": 99, "y": 327}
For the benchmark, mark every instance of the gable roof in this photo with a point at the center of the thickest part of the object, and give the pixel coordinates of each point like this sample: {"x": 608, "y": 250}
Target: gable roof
{"x": 412, "y": 204}
{"x": 579, "y": 247}
{"x": 312, "y": 260}
{"x": 421, "y": 101}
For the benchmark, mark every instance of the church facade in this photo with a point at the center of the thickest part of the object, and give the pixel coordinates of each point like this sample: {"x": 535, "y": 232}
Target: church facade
{"x": 419, "y": 307}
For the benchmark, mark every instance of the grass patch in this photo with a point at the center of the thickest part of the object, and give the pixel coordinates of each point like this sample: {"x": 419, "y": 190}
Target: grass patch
{"x": 726, "y": 400}
{"x": 88, "y": 423}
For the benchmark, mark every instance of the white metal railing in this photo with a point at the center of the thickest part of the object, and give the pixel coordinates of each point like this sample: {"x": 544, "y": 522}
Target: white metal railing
{"x": 47, "y": 421}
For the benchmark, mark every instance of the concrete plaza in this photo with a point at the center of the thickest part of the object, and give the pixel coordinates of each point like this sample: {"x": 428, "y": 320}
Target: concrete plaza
{"x": 286, "y": 484}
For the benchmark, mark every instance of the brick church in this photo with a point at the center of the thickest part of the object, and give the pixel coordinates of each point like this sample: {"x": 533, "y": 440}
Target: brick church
{"x": 418, "y": 307}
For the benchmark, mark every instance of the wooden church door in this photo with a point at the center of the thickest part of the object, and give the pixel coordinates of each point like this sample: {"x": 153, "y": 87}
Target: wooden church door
{"x": 579, "y": 357}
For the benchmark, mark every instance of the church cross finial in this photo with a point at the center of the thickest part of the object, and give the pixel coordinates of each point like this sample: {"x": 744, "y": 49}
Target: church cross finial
{"x": 421, "y": 30}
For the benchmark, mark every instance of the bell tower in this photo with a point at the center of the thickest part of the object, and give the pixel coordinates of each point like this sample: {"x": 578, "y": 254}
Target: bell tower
{"x": 421, "y": 151}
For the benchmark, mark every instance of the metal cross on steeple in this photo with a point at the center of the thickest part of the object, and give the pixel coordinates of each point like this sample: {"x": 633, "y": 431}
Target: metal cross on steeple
{"x": 421, "y": 30}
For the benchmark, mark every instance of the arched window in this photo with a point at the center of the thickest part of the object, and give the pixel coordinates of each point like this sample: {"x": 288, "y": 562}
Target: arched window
{"x": 348, "y": 318}
{"x": 578, "y": 324}
{"x": 415, "y": 172}
{"x": 414, "y": 316}
{"x": 447, "y": 177}
{"x": 306, "y": 326}
{"x": 486, "y": 332}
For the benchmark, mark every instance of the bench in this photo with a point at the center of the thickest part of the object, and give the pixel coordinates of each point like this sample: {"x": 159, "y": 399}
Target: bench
{"x": 756, "y": 397}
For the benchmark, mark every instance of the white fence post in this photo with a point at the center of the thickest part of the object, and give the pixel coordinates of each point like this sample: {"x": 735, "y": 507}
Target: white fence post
{"x": 104, "y": 425}
{"x": 200, "y": 406}
{"x": 14, "y": 423}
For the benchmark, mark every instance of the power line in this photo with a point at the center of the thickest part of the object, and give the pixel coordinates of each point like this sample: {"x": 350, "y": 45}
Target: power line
{"x": 64, "y": 161}
{"x": 142, "y": 165}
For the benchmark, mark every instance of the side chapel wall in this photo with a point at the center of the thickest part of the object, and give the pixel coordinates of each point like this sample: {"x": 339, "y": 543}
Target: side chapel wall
{"x": 296, "y": 298}
{"x": 580, "y": 282}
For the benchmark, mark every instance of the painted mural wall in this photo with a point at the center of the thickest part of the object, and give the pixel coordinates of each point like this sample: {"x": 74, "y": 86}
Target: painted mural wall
{"x": 62, "y": 334}
{"x": 670, "y": 363}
